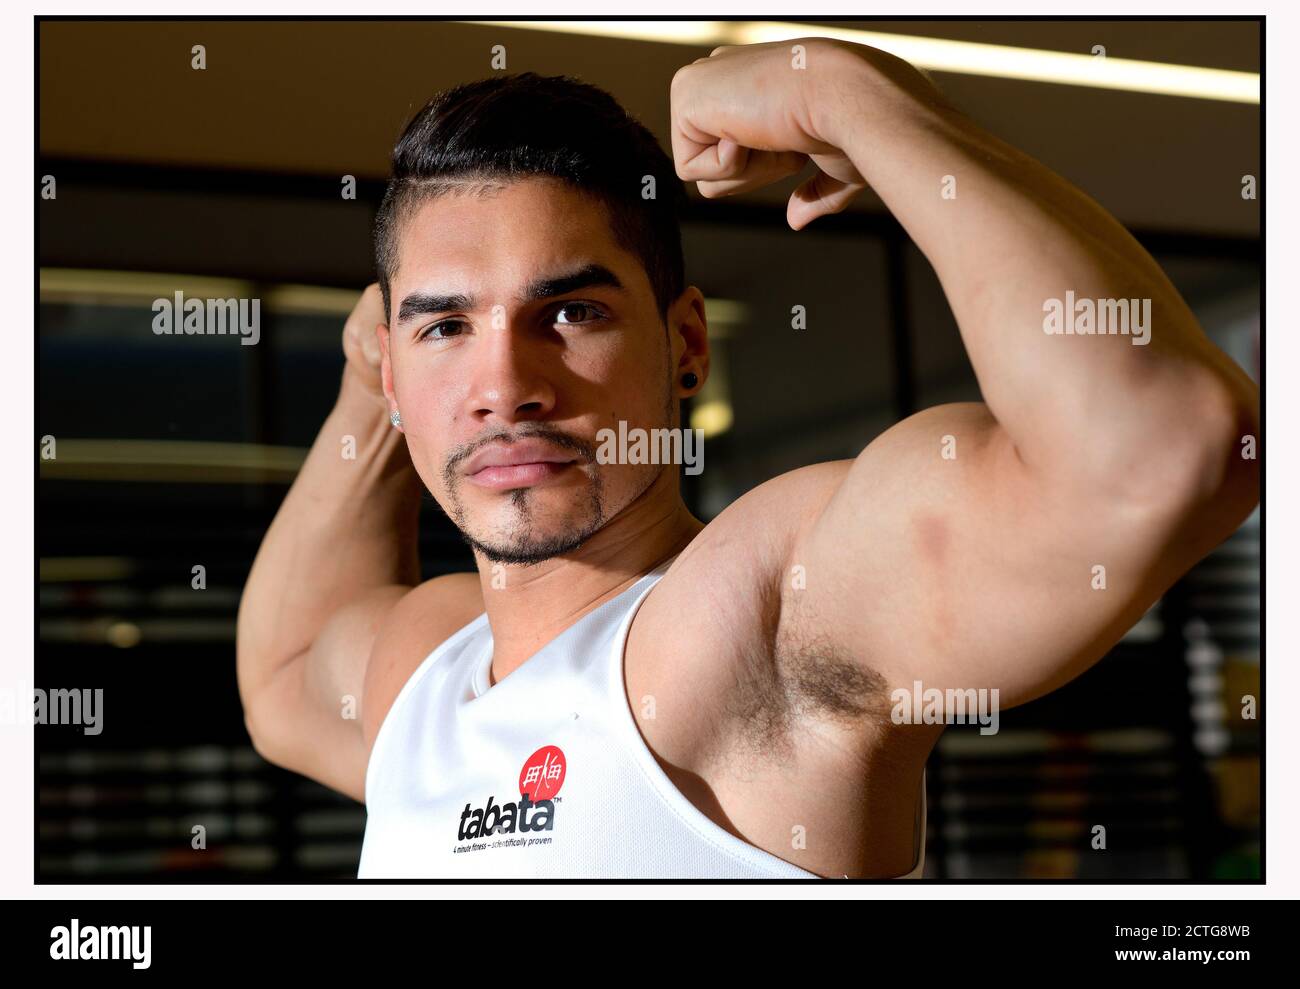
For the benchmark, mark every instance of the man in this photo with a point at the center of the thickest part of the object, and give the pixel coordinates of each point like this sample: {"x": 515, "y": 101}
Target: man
{"x": 621, "y": 690}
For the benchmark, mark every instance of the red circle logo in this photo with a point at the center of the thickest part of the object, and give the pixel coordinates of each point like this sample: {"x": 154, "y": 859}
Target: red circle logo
{"x": 543, "y": 774}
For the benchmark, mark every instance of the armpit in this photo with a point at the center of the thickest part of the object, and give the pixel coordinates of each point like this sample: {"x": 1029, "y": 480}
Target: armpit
{"x": 793, "y": 679}
{"x": 821, "y": 683}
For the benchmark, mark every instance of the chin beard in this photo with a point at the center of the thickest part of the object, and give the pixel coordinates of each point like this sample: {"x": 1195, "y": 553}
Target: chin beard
{"x": 521, "y": 547}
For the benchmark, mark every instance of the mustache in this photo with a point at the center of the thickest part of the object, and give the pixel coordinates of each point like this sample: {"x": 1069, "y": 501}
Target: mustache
{"x": 536, "y": 430}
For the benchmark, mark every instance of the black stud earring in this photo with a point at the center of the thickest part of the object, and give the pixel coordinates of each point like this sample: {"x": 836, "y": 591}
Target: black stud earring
{"x": 689, "y": 380}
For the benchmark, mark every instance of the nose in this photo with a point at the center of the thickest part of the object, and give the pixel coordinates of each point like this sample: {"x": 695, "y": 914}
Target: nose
{"x": 508, "y": 382}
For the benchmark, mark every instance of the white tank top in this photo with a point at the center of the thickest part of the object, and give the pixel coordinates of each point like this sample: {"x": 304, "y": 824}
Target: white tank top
{"x": 542, "y": 776}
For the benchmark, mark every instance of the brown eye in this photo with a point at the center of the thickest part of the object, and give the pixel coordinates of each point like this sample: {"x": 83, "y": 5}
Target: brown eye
{"x": 591, "y": 310}
{"x": 443, "y": 330}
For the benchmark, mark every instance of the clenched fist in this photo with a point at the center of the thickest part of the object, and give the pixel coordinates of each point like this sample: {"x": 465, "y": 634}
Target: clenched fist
{"x": 750, "y": 115}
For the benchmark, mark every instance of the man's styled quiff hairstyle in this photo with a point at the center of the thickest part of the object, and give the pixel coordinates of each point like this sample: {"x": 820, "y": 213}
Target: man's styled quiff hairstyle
{"x": 514, "y": 126}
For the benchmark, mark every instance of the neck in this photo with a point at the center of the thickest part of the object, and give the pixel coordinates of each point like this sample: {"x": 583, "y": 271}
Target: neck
{"x": 527, "y": 606}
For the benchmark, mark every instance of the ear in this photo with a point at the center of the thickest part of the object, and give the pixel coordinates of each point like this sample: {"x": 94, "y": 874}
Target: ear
{"x": 688, "y": 338}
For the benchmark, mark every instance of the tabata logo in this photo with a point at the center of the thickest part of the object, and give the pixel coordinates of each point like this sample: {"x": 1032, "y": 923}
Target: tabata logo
{"x": 539, "y": 781}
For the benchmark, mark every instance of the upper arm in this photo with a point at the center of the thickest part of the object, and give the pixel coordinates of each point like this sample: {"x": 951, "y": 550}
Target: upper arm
{"x": 306, "y": 715}
{"x": 319, "y": 713}
{"x": 424, "y": 618}
{"x": 972, "y": 570}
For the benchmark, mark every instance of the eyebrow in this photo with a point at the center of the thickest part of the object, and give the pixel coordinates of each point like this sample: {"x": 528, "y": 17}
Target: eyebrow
{"x": 588, "y": 276}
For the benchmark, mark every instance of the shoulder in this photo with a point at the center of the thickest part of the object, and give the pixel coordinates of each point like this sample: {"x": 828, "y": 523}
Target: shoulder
{"x": 759, "y": 529}
{"x": 425, "y": 617}
{"x": 737, "y": 562}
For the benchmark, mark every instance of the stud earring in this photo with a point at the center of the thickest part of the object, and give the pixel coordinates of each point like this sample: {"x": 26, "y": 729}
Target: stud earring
{"x": 689, "y": 380}
{"x": 395, "y": 418}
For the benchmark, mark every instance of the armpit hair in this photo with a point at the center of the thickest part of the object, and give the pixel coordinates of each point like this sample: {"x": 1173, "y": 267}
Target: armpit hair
{"x": 795, "y": 675}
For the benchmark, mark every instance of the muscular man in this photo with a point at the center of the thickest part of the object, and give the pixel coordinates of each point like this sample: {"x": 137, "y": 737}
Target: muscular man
{"x": 621, "y": 690}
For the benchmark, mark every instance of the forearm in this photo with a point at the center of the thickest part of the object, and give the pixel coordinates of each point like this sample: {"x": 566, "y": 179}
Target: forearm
{"x": 346, "y": 526}
{"x": 1006, "y": 235}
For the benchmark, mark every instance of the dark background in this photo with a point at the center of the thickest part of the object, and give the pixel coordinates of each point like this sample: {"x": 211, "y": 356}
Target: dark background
{"x": 176, "y": 451}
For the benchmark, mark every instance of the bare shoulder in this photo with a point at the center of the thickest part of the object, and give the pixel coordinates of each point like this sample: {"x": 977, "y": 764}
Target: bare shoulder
{"x": 756, "y": 532}
{"x": 426, "y": 616}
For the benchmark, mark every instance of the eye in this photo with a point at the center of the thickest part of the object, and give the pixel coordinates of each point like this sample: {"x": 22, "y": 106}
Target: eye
{"x": 594, "y": 313}
{"x": 441, "y": 331}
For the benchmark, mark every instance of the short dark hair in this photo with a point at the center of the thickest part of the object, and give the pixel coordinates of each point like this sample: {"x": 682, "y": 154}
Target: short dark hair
{"x": 516, "y": 126}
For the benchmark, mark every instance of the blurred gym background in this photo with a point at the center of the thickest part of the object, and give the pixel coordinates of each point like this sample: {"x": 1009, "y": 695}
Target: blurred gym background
{"x": 174, "y": 452}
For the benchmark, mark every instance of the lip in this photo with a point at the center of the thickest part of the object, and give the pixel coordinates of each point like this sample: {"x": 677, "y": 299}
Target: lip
{"x": 511, "y": 476}
{"x": 516, "y": 465}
